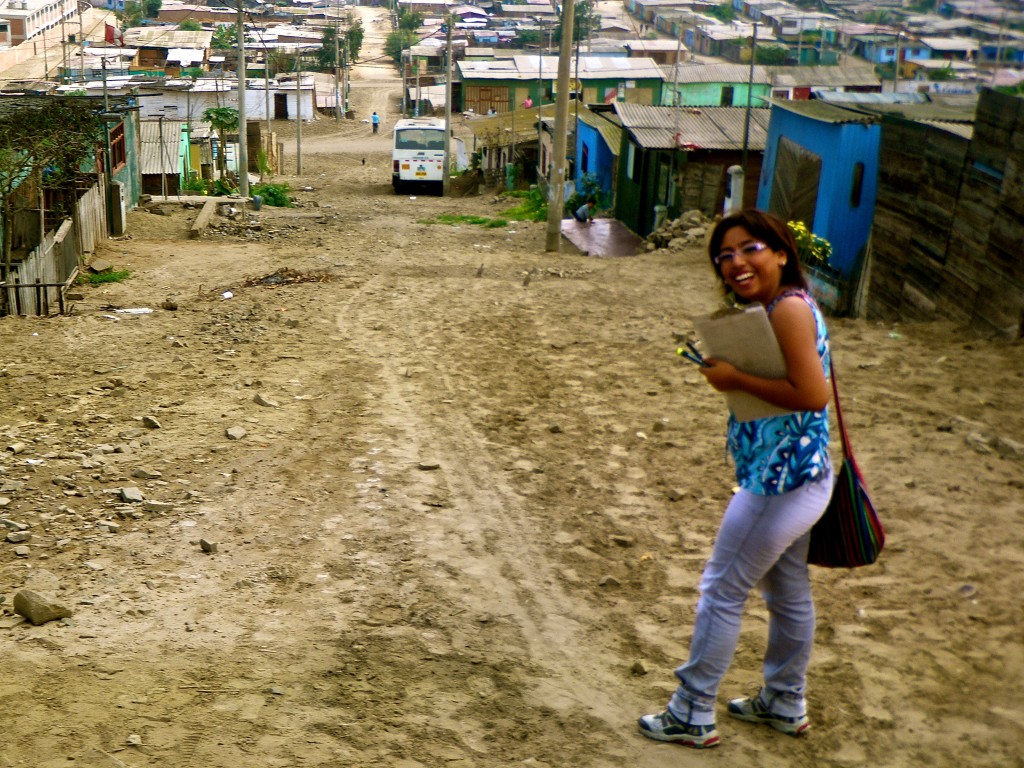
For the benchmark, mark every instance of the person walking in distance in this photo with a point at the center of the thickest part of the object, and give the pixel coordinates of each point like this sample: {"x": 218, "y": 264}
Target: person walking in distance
{"x": 375, "y": 121}
{"x": 785, "y": 482}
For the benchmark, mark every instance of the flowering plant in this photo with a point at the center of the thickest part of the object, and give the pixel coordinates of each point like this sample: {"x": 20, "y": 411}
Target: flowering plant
{"x": 814, "y": 251}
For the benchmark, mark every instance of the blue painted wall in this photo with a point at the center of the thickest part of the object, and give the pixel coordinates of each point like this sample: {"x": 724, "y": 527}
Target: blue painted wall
{"x": 840, "y": 147}
{"x": 600, "y": 160}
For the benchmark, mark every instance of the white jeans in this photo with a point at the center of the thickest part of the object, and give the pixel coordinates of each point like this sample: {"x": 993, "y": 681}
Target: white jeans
{"x": 762, "y": 539}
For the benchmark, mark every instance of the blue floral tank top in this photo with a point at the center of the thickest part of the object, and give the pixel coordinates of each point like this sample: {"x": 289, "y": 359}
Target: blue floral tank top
{"x": 777, "y": 454}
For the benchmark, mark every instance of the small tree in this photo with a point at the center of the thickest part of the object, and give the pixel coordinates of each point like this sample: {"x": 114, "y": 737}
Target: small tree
{"x": 47, "y": 141}
{"x": 225, "y": 37}
{"x": 222, "y": 120}
{"x": 397, "y": 42}
{"x": 584, "y": 22}
{"x": 131, "y": 16}
{"x": 723, "y": 12}
{"x": 190, "y": 25}
{"x": 770, "y": 55}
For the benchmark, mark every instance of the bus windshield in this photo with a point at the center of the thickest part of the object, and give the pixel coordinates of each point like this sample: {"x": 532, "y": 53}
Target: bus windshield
{"x": 419, "y": 138}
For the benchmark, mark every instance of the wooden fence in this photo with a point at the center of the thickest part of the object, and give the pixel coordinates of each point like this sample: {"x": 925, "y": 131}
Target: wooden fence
{"x": 36, "y": 284}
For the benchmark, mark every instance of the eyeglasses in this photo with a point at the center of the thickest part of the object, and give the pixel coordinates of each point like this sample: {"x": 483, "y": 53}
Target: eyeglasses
{"x": 746, "y": 251}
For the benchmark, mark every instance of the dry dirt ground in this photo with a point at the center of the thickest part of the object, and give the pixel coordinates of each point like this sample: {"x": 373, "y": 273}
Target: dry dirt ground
{"x": 466, "y": 525}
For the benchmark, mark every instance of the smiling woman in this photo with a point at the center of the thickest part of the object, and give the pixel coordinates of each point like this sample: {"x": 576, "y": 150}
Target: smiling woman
{"x": 785, "y": 481}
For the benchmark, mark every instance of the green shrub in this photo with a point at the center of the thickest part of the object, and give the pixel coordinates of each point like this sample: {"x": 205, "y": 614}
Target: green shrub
{"x": 277, "y": 195}
{"x": 97, "y": 278}
{"x": 195, "y": 184}
{"x": 533, "y": 205}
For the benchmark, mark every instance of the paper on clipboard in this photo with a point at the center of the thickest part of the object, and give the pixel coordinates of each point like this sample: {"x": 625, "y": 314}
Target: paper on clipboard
{"x": 745, "y": 339}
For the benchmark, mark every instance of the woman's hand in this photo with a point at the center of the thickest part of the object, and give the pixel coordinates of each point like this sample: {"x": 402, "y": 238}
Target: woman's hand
{"x": 721, "y": 375}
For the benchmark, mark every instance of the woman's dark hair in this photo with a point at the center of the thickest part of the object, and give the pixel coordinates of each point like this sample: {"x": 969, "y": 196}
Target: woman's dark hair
{"x": 770, "y": 230}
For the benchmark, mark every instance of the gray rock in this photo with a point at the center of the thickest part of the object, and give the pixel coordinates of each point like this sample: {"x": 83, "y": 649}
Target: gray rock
{"x": 265, "y": 402}
{"x": 608, "y": 581}
{"x": 210, "y": 547}
{"x": 18, "y": 537}
{"x": 131, "y": 494}
{"x": 157, "y": 506}
{"x": 150, "y": 423}
{"x": 428, "y": 466}
{"x": 235, "y": 433}
{"x": 39, "y": 609}
{"x": 146, "y": 474}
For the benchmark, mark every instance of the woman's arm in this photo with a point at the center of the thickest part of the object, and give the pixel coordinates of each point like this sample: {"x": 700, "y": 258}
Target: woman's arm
{"x": 805, "y": 387}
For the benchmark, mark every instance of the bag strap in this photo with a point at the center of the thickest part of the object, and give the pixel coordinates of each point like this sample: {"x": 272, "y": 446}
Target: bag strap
{"x": 843, "y": 436}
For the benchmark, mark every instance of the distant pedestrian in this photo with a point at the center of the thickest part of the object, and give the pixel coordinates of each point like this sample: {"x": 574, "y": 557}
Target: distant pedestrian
{"x": 527, "y": 102}
{"x": 375, "y": 120}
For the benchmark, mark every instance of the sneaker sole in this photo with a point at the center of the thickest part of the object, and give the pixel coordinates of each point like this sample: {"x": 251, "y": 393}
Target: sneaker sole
{"x": 781, "y": 727}
{"x": 683, "y": 741}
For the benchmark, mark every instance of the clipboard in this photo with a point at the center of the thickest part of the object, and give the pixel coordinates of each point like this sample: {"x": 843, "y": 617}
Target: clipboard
{"x": 745, "y": 339}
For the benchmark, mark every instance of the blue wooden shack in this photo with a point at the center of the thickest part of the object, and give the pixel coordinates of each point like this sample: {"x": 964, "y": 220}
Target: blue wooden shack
{"x": 821, "y": 167}
{"x": 598, "y": 140}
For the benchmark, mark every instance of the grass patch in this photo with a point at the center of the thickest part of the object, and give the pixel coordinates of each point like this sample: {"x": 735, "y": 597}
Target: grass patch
{"x": 98, "y": 278}
{"x": 480, "y": 221}
{"x": 532, "y": 206}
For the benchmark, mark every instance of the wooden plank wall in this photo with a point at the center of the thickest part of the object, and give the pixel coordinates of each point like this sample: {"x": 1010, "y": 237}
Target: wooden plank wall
{"x": 949, "y": 220}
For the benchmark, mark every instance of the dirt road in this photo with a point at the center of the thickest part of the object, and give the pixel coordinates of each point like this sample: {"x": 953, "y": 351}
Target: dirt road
{"x": 458, "y": 515}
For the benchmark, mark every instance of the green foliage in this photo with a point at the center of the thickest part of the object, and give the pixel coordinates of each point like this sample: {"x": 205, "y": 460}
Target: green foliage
{"x": 587, "y": 186}
{"x": 942, "y": 75}
{"x": 585, "y": 20}
{"x": 224, "y": 37}
{"x": 152, "y": 8}
{"x": 453, "y": 220}
{"x": 190, "y": 25}
{"x": 196, "y": 72}
{"x": 354, "y": 36}
{"x": 533, "y": 205}
{"x": 195, "y": 184}
{"x": 397, "y": 42}
{"x": 132, "y": 15}
{"x": 723, "y": 12}
{"x": 410, "y": 21}
{"x": 528, "y": 36}
{"x": 770, "y": 55}
{"x": 222, "y": 187}
{"x": 277, "y": 195}
{"x": 98, "y": 278}
{"x": 814, "y": 251}
{"x": 222, "y": 119}
{"x": 49, "y": 140}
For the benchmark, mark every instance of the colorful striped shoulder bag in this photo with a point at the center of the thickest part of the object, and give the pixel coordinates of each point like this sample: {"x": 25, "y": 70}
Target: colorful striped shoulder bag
{"x": 849, "y": 533}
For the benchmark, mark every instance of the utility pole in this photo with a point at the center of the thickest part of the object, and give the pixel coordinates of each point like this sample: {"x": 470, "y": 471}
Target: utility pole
{"x": 243, "y": 139}
{"x": 446, "y": 179}
{"x": 896, "y": 70}
{"x": 337, "y": 67}
{"x": 750, "y": 91}
{"x": 298, "y": 115}
{"x": 557, "y": 189}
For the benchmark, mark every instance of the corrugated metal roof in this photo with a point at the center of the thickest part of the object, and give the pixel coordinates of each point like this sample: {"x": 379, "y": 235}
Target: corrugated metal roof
{"x": 963, "y": 130}
{"x": 824, "y": 77}
{"x": 523, "y": 120}
{"x": 823, "y": 111}
{"x": 705, "y": 128}
{"x": 141, "y": 37}
{"x": 610, "y": 131}
{"x": 590, "y": 68}
{"x": 160, "y": 155}
{"x": 716, "y": 73}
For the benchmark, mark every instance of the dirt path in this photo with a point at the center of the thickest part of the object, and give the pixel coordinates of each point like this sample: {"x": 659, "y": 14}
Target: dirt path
{"x": 471, "y": 511}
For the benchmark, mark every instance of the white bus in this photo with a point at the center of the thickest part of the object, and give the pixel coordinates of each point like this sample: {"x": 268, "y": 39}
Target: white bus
{"x": 418, "y": 155}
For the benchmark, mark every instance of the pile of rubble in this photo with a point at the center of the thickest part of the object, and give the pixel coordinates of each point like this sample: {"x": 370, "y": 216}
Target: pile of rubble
{"x": 689, "y": 230}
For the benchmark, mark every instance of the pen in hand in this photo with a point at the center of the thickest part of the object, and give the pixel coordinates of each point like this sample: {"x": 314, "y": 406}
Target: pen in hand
{"x": 692, "y": 354}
